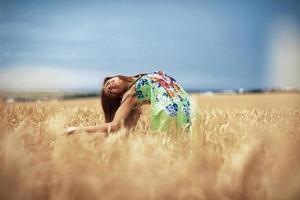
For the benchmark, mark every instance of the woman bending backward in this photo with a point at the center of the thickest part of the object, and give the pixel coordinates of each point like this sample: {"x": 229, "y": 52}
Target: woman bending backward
{"x": 122, "y": 96}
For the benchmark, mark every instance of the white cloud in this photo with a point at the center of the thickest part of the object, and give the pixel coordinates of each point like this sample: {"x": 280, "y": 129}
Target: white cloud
{"x": 48, "y": 78}
{"x": 284, "y": 57}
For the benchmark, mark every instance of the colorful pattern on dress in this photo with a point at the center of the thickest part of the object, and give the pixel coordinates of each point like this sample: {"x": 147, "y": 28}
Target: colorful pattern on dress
{"x": 170, "y": 104}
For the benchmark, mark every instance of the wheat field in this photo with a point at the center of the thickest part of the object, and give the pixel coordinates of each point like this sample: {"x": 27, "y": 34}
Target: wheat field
{"x": 241, "y": 147}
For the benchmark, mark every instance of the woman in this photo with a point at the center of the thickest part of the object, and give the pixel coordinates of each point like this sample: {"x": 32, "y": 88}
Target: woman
{"x": 121, "y": 97}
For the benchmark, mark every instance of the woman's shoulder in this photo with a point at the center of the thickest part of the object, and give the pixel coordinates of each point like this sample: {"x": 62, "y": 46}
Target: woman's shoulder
{"x": 129, "y": 93}
{"x": 139, "y": 88}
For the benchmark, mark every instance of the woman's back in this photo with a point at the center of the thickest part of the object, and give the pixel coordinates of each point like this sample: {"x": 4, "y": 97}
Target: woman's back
{"x": 170, "y": 105}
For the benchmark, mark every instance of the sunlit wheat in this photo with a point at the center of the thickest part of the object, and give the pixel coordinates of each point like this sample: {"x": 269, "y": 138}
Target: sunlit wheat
{"x": 236, "y": 151}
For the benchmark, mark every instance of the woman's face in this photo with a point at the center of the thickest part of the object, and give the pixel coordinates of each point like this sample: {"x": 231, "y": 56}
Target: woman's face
{"x": 114, "y": 86}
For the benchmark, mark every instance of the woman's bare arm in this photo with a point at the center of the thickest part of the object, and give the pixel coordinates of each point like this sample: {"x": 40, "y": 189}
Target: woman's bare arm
{"x": 120, "y": 116}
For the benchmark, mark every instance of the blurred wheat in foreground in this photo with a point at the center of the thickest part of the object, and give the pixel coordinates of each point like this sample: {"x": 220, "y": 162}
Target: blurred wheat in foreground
{"x": 242, "y": 147}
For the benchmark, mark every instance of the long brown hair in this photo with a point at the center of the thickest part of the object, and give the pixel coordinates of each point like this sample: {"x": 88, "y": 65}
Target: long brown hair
{"x": 111, "y": 104}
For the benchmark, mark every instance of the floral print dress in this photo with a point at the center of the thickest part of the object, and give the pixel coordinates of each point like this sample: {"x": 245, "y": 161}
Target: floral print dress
{"x": 170, "y": 104}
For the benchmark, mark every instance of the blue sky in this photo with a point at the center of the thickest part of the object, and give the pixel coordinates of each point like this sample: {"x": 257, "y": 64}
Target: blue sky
{"x": 203, "y": 44}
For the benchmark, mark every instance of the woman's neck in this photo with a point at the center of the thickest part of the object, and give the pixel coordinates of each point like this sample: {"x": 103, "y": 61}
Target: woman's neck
{"x": 134, "y": 79}
{"x": 128, "y": 83}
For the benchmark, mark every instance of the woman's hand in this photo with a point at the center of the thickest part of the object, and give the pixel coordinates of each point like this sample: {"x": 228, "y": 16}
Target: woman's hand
{"x": 89, "y": 129}
{"x": 70, "y": 130}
